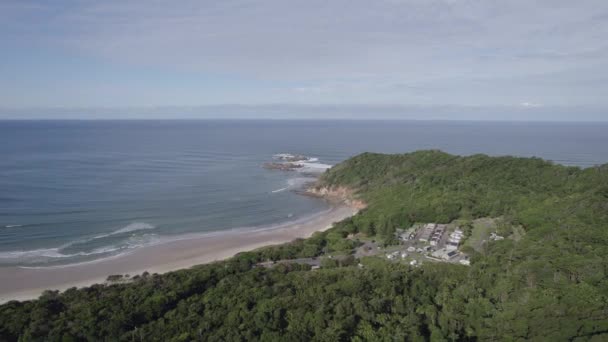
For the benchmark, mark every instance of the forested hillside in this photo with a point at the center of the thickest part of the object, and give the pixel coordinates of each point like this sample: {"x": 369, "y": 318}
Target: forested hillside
{"x": 550, "y": 284}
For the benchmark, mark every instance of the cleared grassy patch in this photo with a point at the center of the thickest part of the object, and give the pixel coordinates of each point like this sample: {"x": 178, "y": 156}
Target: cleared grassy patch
{"x": 481, "y": 233}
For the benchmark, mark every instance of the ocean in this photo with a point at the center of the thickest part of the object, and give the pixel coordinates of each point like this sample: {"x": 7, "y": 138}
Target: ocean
{"x": 78, "y": 191}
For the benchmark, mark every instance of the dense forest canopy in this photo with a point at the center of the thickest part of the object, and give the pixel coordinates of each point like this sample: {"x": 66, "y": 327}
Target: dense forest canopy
{"x": 549, "y": 284}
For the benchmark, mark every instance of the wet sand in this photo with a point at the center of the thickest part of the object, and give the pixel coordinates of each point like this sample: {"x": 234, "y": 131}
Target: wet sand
{"x": 28, "y": 283}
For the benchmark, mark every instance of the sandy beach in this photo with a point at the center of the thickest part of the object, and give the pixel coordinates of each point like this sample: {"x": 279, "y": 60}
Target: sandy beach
{"x": 28, "y": 283}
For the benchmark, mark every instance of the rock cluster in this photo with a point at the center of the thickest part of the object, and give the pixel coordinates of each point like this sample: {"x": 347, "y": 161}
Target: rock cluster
{"x": 282, "y": 166}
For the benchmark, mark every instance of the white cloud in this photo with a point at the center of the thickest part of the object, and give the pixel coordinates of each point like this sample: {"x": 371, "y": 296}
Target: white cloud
{"x": 446, "y": 51}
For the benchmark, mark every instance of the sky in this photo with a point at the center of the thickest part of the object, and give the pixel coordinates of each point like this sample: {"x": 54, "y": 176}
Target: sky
{"x": 414, "y": 59}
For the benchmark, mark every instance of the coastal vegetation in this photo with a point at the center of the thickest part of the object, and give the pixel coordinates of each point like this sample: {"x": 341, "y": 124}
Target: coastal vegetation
{"x": 547, "y": 282}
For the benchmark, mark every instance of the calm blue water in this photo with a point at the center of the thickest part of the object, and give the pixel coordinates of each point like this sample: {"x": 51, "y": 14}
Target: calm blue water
{"x": 72, "y": 191}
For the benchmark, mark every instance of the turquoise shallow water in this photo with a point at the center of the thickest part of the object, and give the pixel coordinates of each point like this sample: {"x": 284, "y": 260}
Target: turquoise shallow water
{"x": 72, "y": 191}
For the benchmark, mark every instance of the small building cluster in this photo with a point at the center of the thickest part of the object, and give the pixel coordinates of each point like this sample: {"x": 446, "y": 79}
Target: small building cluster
{"x": 437, "y": 234}
{"x": 454, "y": 239}
{"x": 427, "y": 231}
{"x": 431, "y": 240}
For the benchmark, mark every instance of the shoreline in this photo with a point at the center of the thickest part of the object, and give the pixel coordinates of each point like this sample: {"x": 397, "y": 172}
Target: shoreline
{"x": 18, "y": 283}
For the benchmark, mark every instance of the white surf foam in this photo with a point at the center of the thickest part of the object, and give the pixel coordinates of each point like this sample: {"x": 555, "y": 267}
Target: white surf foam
{"x": 284, "y": 156}
{"x": 49, "y": 254}
{"x": 35, "y": 253}
{"x": 313, "y": 167}
{"x": 143, "y": 241}
{"x": 279, "y": 190}
{"x": 108, "y": 252}
{"x": 136, "y": 241}
{"x": 132, "y": 227}
{"x": 307, "y": 164}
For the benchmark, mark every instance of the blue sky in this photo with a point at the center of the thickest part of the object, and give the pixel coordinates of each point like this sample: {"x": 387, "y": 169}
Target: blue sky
{"x": 120, "y": 57}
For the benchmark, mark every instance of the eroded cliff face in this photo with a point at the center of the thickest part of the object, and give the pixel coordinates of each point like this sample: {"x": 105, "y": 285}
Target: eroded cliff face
{"x": 338, "y": 194}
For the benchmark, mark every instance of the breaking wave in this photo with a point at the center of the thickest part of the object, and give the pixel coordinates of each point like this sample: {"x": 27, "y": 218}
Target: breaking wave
{"x": 78, "y": 248}
{"x": 44, "y": 254}
{"x": 127, "y": 229}
{"x": 313, "y": 166}
{"x": 13, "y": 226}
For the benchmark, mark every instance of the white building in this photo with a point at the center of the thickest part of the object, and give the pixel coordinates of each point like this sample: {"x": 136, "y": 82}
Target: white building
{"x": 496, "y": 237}
{"x": 444, "y": 254}
{"x": 427, "y": 231}
{"x": 454, "y": 239}
{"x": 438, "y": 254}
